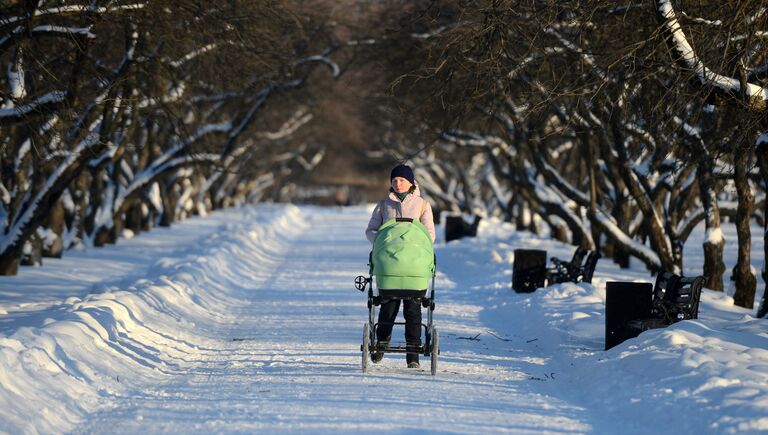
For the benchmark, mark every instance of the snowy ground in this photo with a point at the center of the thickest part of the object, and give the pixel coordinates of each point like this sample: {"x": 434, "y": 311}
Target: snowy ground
{"x": 247, "y": 321}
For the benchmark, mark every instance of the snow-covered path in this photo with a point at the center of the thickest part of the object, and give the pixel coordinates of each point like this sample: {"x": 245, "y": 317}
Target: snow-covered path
{"x": 247, "y": 321}
{"x": 289, "y": 359}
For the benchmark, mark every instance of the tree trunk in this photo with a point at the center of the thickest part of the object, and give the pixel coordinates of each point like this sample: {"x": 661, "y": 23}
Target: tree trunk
{"x": 746, "y": 282}
{"x": 56, "y": 224}
{"x": 620, "y": 255}
{"x": 134, "y": 218}
{"x": 559, "y": 232}
{"x": 95, "y": 189}
{"x": 523, "y": 216}
{"x": 32, "y": 252}
{"x": 714, "y": 267}
{"x": 79, "y": 194}
{"x": 763, "y": 310}
{"x": 40, "y": 208}
{"x": 104, "y": 236}
{"x": 9, "y": 261}
{"x": 762, "y": 163}
{"x": 677, "y": 253}
{"x": 169, "y": 197}
{"x": 656, "y": 232}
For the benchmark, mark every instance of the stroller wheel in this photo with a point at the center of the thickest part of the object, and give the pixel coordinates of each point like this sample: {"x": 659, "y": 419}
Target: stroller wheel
{"x": 366, "y": 347}
{"x": 435, "y": 350}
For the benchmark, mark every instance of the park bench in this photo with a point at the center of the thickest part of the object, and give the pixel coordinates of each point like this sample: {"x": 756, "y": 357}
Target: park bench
{"x": 456, "y": 227}
{"x": 530, "y": 271}
{"x": 675, "y": 298}
{"x": 631, "y": 308}
{"x": 581, "y": 268}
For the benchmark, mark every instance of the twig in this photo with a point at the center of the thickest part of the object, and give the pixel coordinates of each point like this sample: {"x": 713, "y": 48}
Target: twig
{"x": 500, "y": 338}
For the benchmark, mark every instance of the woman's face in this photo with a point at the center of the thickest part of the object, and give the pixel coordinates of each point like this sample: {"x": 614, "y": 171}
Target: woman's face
{"x": 400, "y": 184}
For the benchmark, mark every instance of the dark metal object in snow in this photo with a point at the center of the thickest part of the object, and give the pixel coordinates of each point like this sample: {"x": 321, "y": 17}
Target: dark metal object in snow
{"x": 631, "y": 308}
{"x": 579, "y": 269}
{"x": 624, "y": 302}
{"x": 456, "y": 227}
{"x": 529, "y": 270}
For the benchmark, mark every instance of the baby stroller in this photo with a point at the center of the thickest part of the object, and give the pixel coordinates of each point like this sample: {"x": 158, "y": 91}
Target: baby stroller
{"x": 403, "y": 262}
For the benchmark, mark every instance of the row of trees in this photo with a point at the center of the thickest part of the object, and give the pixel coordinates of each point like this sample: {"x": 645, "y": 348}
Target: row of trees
{"x": 621, "y": 127}
{"x": 128, "y": 114}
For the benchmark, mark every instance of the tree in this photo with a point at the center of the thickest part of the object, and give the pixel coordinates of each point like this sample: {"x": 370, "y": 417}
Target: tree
{"x": 144, "y": 122}
{"x": 572, "y": 108}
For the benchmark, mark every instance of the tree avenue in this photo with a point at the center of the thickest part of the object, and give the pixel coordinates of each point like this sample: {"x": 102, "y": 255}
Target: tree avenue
{"x": 129, "y": 114}
{"x": 618, "y": 127}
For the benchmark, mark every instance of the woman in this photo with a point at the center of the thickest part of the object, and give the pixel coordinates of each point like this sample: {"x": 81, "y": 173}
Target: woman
{"x": 404, "y": 201}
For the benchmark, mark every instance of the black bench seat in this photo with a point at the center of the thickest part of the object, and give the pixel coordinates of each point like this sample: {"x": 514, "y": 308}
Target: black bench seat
{"x": 581, "y": 268}
{"x": 675, "y": 298}
{"x": 631, "y": 308}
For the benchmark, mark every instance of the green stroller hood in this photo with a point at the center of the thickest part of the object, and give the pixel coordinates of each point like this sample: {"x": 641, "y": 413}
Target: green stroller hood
{"x": 403, "y": 257}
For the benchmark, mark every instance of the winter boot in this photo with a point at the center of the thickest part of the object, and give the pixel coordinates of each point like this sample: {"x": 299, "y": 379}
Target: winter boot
{"x": 412, "y": 358}
{"x": 378, "y": 355}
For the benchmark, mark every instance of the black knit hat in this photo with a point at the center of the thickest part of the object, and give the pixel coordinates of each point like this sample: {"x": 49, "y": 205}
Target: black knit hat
{"x": 402, "y": 171}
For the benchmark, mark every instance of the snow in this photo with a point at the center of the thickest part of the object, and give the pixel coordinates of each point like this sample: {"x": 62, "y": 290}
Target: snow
{"x": 62, "y": 29}
{"x": 14, "y": 231}
{"x": 73, "y": 8}
{"x": 295, "y": 122}
{"x": 335, "y": 70}
{"x": 175, "y": 93}
{"x": 5, "y": 196}
{"x": 23, "y": 150}
{"x": 609, "y": 225}
{"x": 167, "y": 160}
{"x": 16, "y": 84}
{"x": 714, "y": 236}
{"x": 50, "y": 97}
{"x": 193, "y": 54}
{"x": 688, "y": 55}
{"x": 247, "y": 321}
{"x": 154, "y": 196}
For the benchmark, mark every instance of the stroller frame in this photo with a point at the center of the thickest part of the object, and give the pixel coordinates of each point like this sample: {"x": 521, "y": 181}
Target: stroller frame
{"x": 371, "y": 344}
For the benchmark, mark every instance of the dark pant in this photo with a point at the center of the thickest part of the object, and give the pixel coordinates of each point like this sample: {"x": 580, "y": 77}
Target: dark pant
{"x": 412, "y": 314}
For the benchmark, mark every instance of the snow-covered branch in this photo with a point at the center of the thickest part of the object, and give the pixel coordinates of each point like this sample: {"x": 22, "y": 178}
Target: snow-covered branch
{"x": 53, "y": 183}
{"x": 295, "y": 122}
{"x": 636, "y": 248}
{"x": 554, "y": 204}
{"x": 41, "y": 104}
{"x": 323, "y": 58}
{"x": 553, "y": 177}
{"x": 310, "y": 164}
{"x": 755, "y": 95}
{"x": 170, "y": 159}
{"x": 586, "y": 57}
{"x": 439, "y": 30}
{"x": 193, "y": 54}
{"x": 73, "y": 9}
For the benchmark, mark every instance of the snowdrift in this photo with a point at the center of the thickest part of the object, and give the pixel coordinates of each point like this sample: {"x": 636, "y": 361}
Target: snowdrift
{"x": 708, "y": 375}
{"x": 88, "y": 349}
